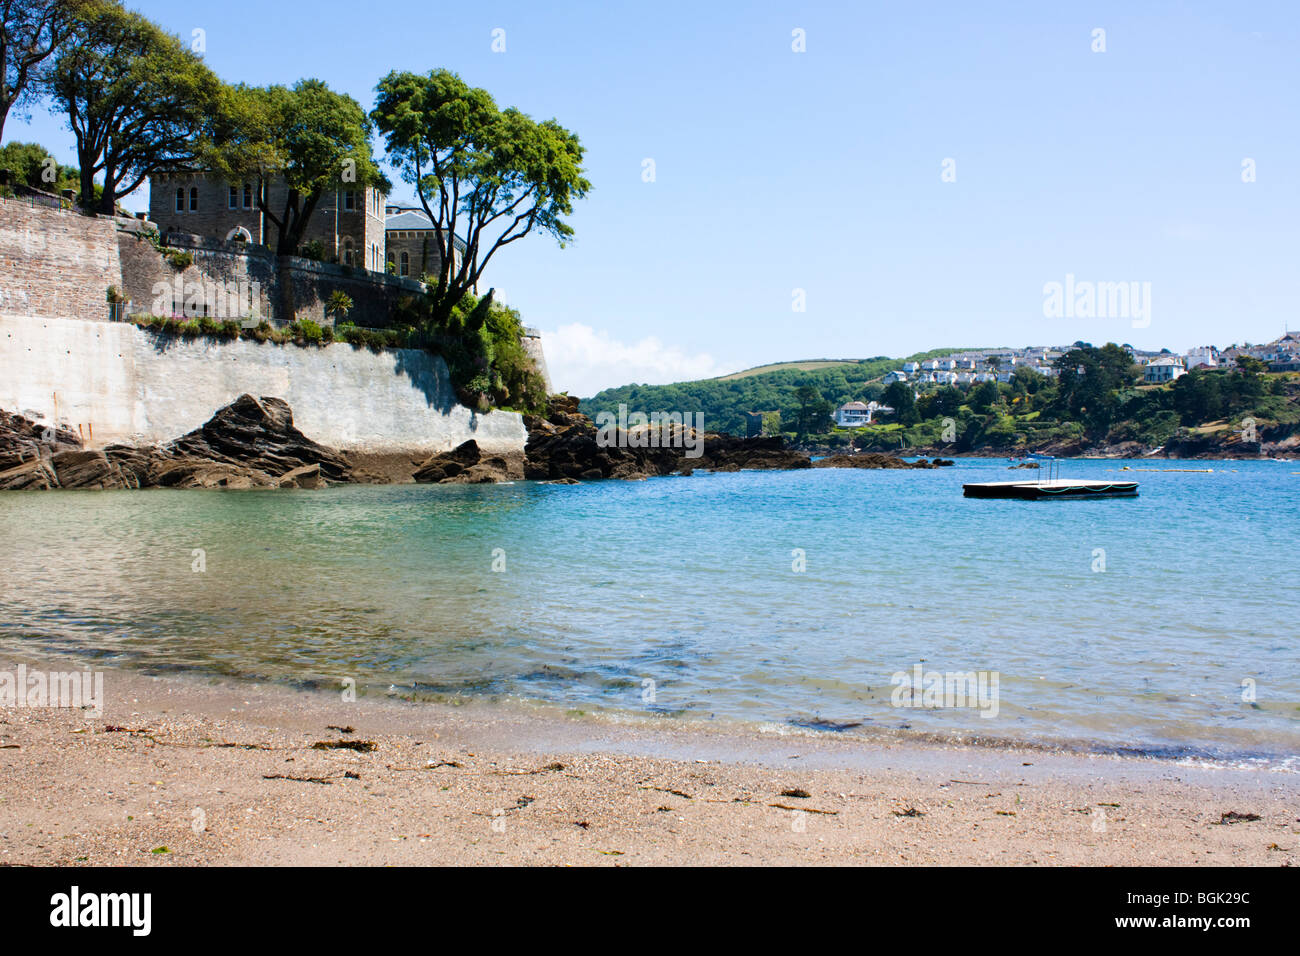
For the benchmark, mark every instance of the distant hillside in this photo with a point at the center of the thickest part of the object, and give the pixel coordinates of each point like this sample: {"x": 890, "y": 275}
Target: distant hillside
{"x": 766, "y": 388}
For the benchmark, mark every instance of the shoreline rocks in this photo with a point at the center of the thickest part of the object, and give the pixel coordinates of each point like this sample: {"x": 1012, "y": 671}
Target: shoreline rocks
{"x": 250, "y": 443}
{"x": 877, "y": 460}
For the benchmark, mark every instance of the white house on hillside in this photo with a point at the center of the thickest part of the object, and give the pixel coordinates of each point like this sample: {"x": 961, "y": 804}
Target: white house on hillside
{"x": 1164, "y": 369}
{"x": 857, "y": 414}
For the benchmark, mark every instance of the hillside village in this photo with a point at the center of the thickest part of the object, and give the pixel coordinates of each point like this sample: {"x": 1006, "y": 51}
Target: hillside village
{"x": 1000, "y": 365}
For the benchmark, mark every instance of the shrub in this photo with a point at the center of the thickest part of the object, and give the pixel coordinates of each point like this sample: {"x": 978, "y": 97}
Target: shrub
{"x": 179, "y": 259}
{"x": 313, "y": 249}
{"x": 306, "y": 330}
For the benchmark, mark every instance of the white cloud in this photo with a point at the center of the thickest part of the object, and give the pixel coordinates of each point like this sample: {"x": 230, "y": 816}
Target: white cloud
{"x": 582, "y": 361}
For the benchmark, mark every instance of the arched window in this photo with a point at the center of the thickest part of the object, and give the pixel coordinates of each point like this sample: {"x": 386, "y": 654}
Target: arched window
{"x": 406, "y": 264}
{"x": 347, "y": 252}
{"x": 194, "y": 199}
{"x": 180, "y": 200}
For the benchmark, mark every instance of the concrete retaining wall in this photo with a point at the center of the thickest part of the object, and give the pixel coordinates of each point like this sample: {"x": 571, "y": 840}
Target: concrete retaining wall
{"x": 115, "y": 382}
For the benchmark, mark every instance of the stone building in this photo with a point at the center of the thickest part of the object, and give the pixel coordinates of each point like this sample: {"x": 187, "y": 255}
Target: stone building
{"x": 348, "y": 223}
{"x": 412, "y": 243}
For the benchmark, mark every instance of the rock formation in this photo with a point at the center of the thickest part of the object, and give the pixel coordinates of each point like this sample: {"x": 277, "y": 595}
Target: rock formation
{"x": 876, "y": 460}
{"x": 563, "y": 444}
{"x": 251, "y": 443}
{"x": 467, "y": 465}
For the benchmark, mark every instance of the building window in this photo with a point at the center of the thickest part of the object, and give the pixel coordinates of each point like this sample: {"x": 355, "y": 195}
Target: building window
{"x": 406, "y": 264}
{"x": 234, "y": 197}
{"x": 349, "y": 200}
{"x": 347, "y": 252}
{"x": 248, "y": 196}
{"x": 180, "y": 200}
{"x": 194, "y": 199}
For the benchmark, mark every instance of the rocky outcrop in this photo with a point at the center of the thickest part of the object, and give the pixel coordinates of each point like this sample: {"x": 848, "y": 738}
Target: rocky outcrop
{"x": 251, "y": 443}
{"x": 252, "y": 437}
{"x": 563, "y": 444}
{"x": 875, "y": 460}
{"x": 467, "y": 465}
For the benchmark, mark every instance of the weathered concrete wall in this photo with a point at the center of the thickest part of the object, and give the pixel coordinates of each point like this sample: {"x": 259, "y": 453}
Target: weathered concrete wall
{"x": 55, "y": 263}
{"x": 115, "y": 382}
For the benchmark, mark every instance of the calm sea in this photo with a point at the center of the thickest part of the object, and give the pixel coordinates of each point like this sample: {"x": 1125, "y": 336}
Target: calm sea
{"x": 1163, "y": 625}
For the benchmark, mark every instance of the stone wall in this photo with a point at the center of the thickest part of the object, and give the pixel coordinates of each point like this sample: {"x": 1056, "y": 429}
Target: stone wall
{"x": 55, "y": 263}
{"x": 115, "y": 382}
{"x": 286, "y": 289}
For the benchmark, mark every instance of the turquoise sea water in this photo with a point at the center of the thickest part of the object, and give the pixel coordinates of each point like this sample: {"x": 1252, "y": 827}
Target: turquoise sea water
{"x": 689, "y": 583}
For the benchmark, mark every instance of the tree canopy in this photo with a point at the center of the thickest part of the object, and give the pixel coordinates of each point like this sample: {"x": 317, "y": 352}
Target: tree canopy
{"x": 486, "y": 175}
{"x": 137, "y": 100}
{"x": 317, "y": 140}
{"x": 31, "y": 31}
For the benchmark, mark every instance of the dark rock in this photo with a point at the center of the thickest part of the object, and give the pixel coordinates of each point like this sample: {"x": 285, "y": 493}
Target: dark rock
{"x": 33, "y": 475}
{"x": 89, "y": 469}
{"x": 870, "y": 460}
{"x": 563, "y": 444}
{"x": 308, "y": 476}
{"x": 247, "y": 444}
{"x": 257, "y": 436}
{"x": 466, "y": 465}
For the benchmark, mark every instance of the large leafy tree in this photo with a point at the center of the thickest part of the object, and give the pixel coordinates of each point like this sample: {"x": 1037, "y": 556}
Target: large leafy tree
{"x": 313, "y": 139}
{"x": 138, "y": 101}
{"x": 31, "y": 31}
{"x": 1089, "y": 382}
{"x": 488, "y": 175}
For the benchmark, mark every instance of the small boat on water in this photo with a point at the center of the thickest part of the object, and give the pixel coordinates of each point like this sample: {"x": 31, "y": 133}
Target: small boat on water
{"x": 1051, "y": 487}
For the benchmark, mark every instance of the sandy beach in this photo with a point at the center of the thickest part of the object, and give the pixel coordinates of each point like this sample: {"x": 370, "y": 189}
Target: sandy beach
{"x": 183, "y": 771}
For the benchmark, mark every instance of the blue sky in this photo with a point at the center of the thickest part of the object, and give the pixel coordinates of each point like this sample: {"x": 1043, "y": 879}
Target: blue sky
{"x": 821, "y": 170}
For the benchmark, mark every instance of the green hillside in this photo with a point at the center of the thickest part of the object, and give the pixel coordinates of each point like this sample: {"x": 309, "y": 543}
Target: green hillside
{"x": 766, "y": 388}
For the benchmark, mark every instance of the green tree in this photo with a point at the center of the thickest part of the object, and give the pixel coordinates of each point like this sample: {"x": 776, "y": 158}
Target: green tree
{"x": 137, "y": 100}
{"x": 31, "y": 31}
{"x": 317, "y": 140}
{"x": 900, "y": 397}
{"x": 34, "y": 166}
{"x": 1089, "y": 381}
{"x": 488, "y": 175}
{"x": 814, "y": 412}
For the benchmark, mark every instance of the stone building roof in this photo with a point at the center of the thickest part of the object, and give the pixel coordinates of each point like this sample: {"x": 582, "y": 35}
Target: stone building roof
{"x": 406, "y": 219}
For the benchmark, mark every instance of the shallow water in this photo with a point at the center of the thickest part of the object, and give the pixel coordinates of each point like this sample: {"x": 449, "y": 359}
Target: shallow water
{"x": 689, "y": 583}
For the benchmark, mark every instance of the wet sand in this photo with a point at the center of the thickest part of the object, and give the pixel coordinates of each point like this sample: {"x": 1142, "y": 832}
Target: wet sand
{"x": 226, "y": 773}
